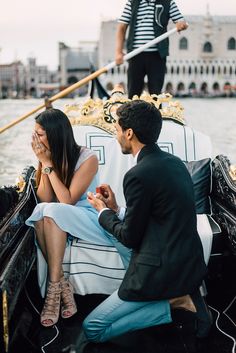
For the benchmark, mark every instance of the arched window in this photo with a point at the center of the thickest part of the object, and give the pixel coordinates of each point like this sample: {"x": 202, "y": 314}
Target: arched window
{"x": 225, "y": 70}
{"x": 71, "y": 80}
{"x": 192, "y": 86}
{"x": 227, "y": 86}
{"x": 169, "y": 87}
{"x": 172, "y": 70}
{"x": 230, "y": 70}
{"x": 184, "y": 69}
{"x": 207, "y": 47}
{"x": 180, "y": 87}
{"x": 33, "y": 91}
{"x": 122, "y": 84}
{"x": 177, "y": 70}
{"x": 183, "y": 44}
{"x": 231, "y": 44}
{"x": 204, "y": 88}
{"x": 109, "y": 86}
{"x": 213, "y": 70}
{"x": 216, "y": 86}
{"x": 201, "y": 70}
{"x": 219, "y": 70}
{"x": 195, "y": 70}
{"x": 189, "y": 70}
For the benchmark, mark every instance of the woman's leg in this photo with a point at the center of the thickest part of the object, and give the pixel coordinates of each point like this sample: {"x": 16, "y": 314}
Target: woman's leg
{"x": 55, "y": 244}
{"x": 115, "y": 317}
{"x": 39, "y": 231}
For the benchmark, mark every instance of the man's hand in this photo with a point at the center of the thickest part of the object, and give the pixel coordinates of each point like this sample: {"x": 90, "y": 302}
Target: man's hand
{"x": 181, "y": 25}
{"x": 95, "y": 202}
{"x": 108, "y": 197}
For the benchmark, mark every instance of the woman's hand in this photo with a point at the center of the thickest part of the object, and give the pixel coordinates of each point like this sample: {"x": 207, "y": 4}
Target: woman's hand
{"x": 95, "y": 202}
{"x": 42, "y": 153}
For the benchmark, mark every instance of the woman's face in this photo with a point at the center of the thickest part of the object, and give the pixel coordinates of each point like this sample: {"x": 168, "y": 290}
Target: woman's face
{"x": 41, "y": 133}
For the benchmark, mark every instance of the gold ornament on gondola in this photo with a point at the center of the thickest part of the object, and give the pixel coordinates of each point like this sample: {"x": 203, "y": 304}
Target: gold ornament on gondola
{"x": 5, "y": 320}
{"x": 232, "y": 172}
{"x": 102, "y": 114}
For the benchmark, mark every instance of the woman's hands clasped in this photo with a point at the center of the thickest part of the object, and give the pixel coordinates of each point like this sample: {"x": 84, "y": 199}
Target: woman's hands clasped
{"x": 41, "y": 151}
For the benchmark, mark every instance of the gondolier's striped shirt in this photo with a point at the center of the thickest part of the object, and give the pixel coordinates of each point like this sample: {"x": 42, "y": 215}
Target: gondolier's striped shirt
{"x": 144, "y": 31}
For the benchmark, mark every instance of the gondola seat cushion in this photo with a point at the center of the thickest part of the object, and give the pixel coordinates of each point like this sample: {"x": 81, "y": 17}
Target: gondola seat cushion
{"x": 201, "y": 174}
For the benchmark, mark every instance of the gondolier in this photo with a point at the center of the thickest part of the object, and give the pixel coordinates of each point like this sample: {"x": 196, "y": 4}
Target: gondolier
{"x": 146, "y": 20}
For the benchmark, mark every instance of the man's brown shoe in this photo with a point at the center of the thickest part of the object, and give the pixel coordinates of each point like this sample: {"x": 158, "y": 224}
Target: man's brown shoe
{"x": 185, "y": 302}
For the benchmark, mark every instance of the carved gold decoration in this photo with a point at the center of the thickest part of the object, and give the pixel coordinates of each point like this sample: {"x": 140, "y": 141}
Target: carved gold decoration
{"x": 5, "y": 320}
{"x": 232, "y": 172}
{"x": 20, "y": 183}
{"x": 89, "y": 113}
{"x": 102, "y": 114}
{"x": 173, "y": 110}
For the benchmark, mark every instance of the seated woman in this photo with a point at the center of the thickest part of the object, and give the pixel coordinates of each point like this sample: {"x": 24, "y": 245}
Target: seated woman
{"x": 65, "y": 172}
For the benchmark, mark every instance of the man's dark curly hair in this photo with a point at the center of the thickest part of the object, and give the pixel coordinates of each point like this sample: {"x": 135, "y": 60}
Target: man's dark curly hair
{"x": 143, "y": 118}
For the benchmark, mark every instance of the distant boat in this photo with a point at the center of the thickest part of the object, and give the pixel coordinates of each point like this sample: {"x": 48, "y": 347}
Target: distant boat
{"x": 214, "y": 180}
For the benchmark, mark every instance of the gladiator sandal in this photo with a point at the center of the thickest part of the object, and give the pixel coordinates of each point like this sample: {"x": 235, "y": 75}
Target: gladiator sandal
{"x": 68, "y": 304}
{"x": 51, "y": 309}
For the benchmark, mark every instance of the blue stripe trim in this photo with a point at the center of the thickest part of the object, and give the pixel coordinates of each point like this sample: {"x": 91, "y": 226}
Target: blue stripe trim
{"x": 95, "y": 265}
{"x": 94, "y": 274}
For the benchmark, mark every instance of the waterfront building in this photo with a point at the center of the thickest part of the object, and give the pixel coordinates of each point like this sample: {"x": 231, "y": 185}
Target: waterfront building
{"x": 12, "y": 79}
{"x": 19, "y": 81}
{"x": 75, "y": 63}
{"x": 202, "y": 60}
{"x": 39, "y": 80}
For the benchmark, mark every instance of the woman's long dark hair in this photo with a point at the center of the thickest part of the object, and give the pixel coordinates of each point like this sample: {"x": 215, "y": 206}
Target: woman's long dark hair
{"x": 63, "y": 147}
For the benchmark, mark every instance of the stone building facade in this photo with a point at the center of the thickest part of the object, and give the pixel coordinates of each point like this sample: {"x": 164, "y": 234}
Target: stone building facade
{"x": 202, "y": 60}
{"x": 12, "y": 79}
{"x": 31, "y": 80}
{"x": 75, "y": 63}
{"x": 39, "y": 81}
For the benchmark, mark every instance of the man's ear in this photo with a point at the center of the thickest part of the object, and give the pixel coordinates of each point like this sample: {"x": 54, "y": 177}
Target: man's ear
{"x": 129, "y": 134}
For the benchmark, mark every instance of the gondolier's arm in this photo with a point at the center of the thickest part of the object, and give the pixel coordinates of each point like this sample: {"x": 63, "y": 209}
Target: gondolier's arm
{"x": 120, "y": 39}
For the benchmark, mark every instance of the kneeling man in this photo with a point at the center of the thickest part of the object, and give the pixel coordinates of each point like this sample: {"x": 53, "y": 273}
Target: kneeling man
{"x": 159, "y": 226}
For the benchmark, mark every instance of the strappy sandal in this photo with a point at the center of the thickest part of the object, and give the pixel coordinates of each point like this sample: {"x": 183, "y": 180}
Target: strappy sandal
{"x": 68, "y": 307}
{"x": 51, "y": 309}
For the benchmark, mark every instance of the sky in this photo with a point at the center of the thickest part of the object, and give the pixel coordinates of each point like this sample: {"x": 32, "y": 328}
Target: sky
{"x": 34, "y": 28}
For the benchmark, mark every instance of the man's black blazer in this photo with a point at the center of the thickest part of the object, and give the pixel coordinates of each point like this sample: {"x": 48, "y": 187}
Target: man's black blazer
{"x": 160, "y": 226}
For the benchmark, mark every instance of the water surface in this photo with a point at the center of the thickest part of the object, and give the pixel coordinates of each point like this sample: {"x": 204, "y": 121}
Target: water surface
{"x": 215, "y": 117}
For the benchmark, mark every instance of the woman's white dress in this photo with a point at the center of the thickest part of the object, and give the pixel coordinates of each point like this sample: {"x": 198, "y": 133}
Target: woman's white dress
{"x": 79, "y": 220}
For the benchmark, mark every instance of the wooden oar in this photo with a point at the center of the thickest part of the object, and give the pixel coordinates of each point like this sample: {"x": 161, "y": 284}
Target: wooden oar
{"x": 88, "y": 78}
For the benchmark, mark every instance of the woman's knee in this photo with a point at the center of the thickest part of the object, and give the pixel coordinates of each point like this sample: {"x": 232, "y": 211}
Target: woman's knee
{"x": 48, "y": 221}
{"x": 38, "y": 225}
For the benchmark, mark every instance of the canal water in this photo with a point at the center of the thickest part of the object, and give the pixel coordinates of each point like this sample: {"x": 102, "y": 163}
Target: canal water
{"x": 215, "y": 117}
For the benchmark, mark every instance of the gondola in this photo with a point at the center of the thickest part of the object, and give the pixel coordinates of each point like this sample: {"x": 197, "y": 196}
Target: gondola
{"x": 20, "y": 294}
